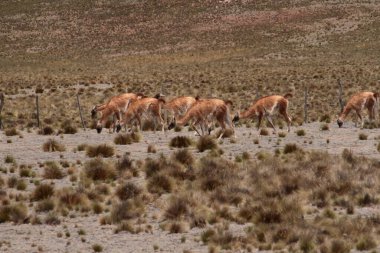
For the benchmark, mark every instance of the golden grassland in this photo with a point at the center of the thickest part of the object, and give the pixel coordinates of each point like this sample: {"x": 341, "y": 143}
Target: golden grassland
{"x": 291, "y": 199}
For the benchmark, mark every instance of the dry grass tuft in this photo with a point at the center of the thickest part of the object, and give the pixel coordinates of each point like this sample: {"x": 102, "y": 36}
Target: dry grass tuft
{"x": 180, "y": 142}
{"x": 126, "y": 210}
{"x": 128, "y": 191}
{"x": 103, "y": 150}
{"x": 184, "y": 156}
{"x": 71, "y": 198}
{"x": 290, "y": 148}
{"x": 68, "y": 128}
{"x": 301, "y": 132}
{"x": 126, "y": 139}
{"x": 160, "y": 183}
{"x": 11, "y": 132}
{"x": 98, "y": 169}
{"x": 205, "y": 143}
{"x": 363, "y": 136}
{"x": 43, "y": 191}
{"x": 52, "y": 145}
{"x": 48, "y": 130}
{"x": 17, "y": 213}
{"x": 264, "y": 132}
{"x": 52, "y": 171}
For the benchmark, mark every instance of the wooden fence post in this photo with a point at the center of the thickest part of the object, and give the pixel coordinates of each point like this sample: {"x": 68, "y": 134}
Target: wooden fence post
{"x": 305, "y": 105}
{"x": 80, "y": 113}
{"x": 341, "y": 103}
{"x": 257, "y": 93}
{"x": 38, "y": 112}
{"x": 2, "y": 98}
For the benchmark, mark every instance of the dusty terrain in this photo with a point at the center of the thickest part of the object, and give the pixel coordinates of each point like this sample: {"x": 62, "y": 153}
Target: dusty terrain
{"x": 262, "y": 193}
{"x": 27, "y": 150}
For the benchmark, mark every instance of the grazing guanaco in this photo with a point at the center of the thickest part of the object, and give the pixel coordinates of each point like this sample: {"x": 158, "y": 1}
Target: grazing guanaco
{"x": 205, "y": 110}
{"x": 116, "y": 106}
{"x": 145, "y": 107}
{"x": 358, "y": 102}
{"x": 179, "y": 106}
{"x": 265, "y": 107}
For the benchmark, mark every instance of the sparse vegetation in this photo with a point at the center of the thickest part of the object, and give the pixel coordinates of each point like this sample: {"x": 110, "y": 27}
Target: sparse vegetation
{"x": 205, "y": 143}
{"x": 180, "y": 142}
{"x": 52, "y": 145}
{"x": 98, "y": 169}
{"x": 102, "y": 150}
{"x": 296, "y": 200}
{"x": 126, "y": 139}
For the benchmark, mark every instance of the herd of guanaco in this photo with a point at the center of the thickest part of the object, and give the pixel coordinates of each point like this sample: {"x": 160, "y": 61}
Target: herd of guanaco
{"x": 130, "y": 108}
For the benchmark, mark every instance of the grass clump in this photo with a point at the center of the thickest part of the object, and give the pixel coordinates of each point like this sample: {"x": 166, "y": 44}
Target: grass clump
{"x": 180, "y": 142}
{"x": 264, "y": 132}
{"x": 45, "y": 205}
{"x": 103, "y": 150}
{"x": 301, "y": 132}
{"x": 43, "y": 191}
{"x": 98, "y": 169}
{"x": 206, "y": 142}
{"x": 184, "y": 156}
{"x": 160, "y": 183}
{"x": 126, "y": 210}
{"x": 325, "y": 127}
{"x": 11, "y": 131}
{"x": 290, "y": 148}
{"x": 52, "y": 145}
{"x": 47, "y": 130}
{"x": 97, "y": 248}
{"x": 17, "y": 213}
{"x": 128, "y": 191}
{"x": 9, "y": 159}
{"x": 366, "y": 243}
{"x": 68, "y": 128}
{"x": 126, "y": 139}
{"x": 363, "y": 136}
{"x": 52, "y": 170}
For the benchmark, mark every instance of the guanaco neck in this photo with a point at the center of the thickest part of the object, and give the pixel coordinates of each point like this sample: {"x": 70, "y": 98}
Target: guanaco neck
{"x": 345, "y": 112}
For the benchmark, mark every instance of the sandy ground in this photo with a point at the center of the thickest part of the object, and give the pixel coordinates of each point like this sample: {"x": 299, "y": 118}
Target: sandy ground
{"x": 28, "y": 150}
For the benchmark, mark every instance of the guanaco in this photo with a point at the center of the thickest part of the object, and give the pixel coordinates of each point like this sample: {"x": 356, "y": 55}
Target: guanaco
{"x": 358, "y": 102}
{"x": 266, "y": 107}
{"x": 116, "y": 106}
{"x": 207, "y": 109}
{"x": 145, "y": 107}
{"x": 179, "y": 106}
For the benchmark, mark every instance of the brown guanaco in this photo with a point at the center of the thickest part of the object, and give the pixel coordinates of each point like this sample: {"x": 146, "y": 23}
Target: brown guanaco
{"x": 265, "y": 107}
{"x": 358, "y": 102}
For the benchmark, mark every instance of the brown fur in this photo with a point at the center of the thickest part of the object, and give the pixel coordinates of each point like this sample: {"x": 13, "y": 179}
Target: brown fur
{"x": 179, "y": 106}
{"x": 358, "y": 102}
{"x": 204, "y": 110}
{"x": 116, "y": 106}
{"x": 149, "y": 107}
{"x": 266, "y": 106}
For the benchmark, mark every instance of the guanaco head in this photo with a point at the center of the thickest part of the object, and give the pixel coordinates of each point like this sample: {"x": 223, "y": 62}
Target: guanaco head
{"x": 172, "y": 125}
{"x": 159, "y": 95}
{"x": 340, "y": 122}
{"x": 93, "y": 112}
{"x": 236, "y": 118}
{"x": 118, "y": 127}
{"x": 99, "y": 128}
{"x": 140, "y": 95}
